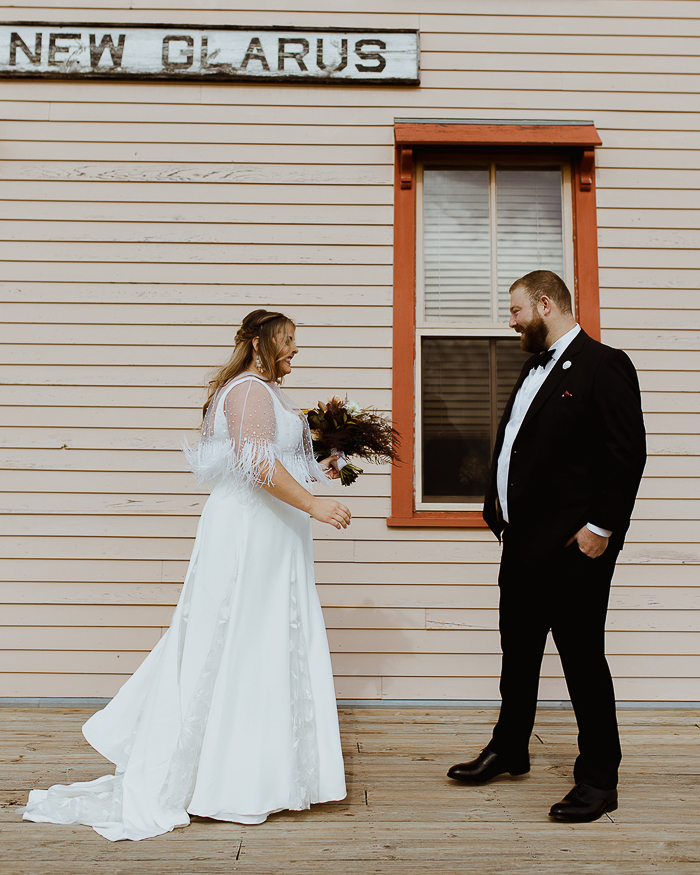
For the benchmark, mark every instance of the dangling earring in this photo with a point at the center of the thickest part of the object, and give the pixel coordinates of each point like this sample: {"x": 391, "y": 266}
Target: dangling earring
{"x": 258, "y": 364}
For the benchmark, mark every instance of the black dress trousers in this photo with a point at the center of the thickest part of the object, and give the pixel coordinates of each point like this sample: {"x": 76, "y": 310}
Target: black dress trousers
{"x": 567, "y": 593}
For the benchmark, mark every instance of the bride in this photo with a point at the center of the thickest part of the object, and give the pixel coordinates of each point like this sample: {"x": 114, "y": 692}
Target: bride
{"x": 232, "y": 715}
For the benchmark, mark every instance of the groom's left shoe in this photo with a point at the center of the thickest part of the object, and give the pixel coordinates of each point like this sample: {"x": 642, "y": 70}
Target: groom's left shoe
{"x": 583, "y": 804}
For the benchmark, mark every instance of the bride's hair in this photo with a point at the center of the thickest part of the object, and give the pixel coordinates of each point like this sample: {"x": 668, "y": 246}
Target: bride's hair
{"x": 267, "y": 327}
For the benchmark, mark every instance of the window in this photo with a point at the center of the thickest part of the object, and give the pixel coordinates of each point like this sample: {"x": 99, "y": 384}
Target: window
{"x": 470, "y": 221}
{"x": 480, "y": 225}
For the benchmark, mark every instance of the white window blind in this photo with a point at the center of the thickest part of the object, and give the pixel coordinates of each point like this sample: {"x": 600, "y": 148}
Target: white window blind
{"x": 456, "y": 248}
{"x": 529, "y": 223}
{"x": 462, "y": 239}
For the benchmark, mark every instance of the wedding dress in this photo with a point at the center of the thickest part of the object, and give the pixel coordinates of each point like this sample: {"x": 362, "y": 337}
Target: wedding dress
{"x": 232, "y": 715}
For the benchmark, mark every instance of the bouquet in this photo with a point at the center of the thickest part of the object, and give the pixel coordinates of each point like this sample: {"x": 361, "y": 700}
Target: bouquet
{"x": 343, "y": 428}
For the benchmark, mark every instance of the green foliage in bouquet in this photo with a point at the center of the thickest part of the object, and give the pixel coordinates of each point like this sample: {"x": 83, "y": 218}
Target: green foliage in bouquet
{"x": 344, "y": 427}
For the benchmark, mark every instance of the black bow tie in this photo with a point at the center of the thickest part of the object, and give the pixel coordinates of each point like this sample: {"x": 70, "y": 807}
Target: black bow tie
{"x": 542, "y": 359}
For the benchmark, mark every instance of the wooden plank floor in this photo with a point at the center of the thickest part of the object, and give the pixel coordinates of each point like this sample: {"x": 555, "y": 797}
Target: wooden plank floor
{"x": 402, "y": 815}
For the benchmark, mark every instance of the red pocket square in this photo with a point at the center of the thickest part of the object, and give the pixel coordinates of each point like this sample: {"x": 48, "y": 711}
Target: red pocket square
{"x": 567, "y": 394}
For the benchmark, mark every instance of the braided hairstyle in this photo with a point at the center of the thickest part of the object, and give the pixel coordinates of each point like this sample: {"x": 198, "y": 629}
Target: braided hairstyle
{"x": 267, "y": 327}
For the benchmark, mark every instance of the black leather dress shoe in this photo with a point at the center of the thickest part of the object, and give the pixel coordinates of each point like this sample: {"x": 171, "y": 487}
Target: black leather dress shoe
{"x": 583, "y": 804}
{"x": 486, "y": 766}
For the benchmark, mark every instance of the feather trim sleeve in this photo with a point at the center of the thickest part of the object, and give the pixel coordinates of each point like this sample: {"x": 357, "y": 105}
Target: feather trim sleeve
{"x": 250, "y": 426}
{"x": 214, "y": 461}
{"x": 238, "y": 437}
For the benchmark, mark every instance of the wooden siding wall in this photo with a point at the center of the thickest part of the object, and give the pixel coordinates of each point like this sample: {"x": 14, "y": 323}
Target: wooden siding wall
{"x": 141, "y": 221}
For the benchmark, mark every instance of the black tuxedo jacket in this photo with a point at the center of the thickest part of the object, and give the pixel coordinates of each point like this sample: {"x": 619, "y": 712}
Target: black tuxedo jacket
{"x": 579, "y": 454}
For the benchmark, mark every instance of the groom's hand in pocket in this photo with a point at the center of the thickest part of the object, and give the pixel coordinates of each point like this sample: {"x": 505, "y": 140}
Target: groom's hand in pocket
{"x": 589, "y": 543}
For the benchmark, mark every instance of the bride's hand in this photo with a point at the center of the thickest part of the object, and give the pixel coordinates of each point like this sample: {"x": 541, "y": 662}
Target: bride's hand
{"x": 327, "y": 510}
{"x": 329, "y": 469}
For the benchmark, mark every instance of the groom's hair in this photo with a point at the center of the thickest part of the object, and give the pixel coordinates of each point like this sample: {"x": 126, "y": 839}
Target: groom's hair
{"x": 545, "y": 282}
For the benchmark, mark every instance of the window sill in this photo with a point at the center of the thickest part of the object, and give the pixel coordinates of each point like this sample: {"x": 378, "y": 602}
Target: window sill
{"x": 470, "y": 519}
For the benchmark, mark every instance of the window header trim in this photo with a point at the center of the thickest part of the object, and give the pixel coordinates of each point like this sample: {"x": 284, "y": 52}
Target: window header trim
{"x": 580, "y": 135}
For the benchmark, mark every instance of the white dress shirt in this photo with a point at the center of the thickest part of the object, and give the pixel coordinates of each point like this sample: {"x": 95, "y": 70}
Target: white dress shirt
{"x": 526, "y": 394}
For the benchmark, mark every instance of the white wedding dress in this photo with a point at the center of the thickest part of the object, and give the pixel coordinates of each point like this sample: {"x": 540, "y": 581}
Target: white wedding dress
{"x": 233, "y": 714}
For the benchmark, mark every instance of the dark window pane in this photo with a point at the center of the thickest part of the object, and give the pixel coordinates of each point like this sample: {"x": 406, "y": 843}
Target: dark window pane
{"x": 465, "y": 385}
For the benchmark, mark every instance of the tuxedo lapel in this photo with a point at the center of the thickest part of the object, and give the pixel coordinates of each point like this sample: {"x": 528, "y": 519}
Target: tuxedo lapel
{"x": 557, "y": 374}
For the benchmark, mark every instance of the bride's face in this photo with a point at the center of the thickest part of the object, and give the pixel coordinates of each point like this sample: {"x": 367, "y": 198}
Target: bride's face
{"x": 287, "y": 350}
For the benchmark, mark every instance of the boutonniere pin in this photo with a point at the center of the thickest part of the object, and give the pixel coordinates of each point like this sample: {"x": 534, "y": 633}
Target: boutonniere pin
{"x": 567, "y": 394}
{"x": 566, "y": 365}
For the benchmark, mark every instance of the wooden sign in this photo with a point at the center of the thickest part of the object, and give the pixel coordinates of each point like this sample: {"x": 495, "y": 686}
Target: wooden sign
{"x": 82, "y": 51}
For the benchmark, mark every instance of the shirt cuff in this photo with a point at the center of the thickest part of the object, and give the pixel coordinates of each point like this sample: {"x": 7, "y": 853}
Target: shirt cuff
{"x": 604, "y": 533}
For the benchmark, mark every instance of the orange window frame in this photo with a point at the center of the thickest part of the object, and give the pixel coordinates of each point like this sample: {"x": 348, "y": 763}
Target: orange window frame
{"x": 413, "y": 138}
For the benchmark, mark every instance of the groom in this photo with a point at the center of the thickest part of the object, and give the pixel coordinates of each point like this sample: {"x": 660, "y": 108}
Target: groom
{"x": 567, "y": 463}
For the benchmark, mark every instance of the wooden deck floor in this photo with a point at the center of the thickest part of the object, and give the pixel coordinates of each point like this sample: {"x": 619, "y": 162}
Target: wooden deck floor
{"x": 402, "y": 815}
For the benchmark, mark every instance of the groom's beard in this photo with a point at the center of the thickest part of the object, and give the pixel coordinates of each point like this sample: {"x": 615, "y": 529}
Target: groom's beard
{"x": 533, "y": 337}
